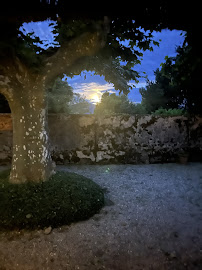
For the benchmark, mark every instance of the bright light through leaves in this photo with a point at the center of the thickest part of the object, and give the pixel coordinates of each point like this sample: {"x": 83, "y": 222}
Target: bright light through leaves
{"x": 95, "y": 98}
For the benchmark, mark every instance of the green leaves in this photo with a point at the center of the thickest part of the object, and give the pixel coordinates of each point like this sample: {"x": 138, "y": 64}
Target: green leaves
{"x": 113, "y": 104}
{"x": 156, "y": 43}
{"x": 59, "y": 96}
{"x": 176, "y": 84}
{"x": 166, "y": 57}
{"x": 51, "y": 24}
{"x": 124, "y": 47}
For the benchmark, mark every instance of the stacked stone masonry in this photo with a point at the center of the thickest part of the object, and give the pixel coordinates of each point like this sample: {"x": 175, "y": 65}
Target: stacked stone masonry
{"x": 114, "y": 139}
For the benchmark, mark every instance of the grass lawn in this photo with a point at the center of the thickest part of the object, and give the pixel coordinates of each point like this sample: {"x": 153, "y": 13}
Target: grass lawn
{"x": 63, "y": 199}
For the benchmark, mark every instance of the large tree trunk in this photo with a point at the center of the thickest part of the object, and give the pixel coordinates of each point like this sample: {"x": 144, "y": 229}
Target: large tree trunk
{"x": 31, "y": 155}
{"x": 24, "y": 89}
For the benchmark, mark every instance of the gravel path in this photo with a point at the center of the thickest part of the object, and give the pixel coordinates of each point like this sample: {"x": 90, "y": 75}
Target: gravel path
{"x": 152, "y": 220}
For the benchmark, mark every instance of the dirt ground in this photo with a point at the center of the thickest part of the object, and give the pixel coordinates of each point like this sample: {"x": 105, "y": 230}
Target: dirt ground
{"x": 152, "y": 220}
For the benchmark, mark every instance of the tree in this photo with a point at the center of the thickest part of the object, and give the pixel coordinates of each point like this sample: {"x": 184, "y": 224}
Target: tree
{"x": 152, "y": 97}
{"x": 79, "y": 105}
{"x": 163, "y": 92}
{"x": 24, "y": 89}
{"x": 186, "y": 71}
{"x": 24, "y": 80}
{"x": 26, "y": 73}
{"x": 61, "y": 99}
{"x": 91, "y": 42}
{"x": 113, "y": 104}
{"x": 59, "y": 96}
{"x": 176, "y": 83}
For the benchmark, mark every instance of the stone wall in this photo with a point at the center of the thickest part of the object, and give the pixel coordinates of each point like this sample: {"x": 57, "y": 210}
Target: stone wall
{"x": 114, "y": 139}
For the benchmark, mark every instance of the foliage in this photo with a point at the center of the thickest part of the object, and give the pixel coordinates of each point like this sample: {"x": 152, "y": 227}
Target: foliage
{"x": 176, "y": 83}
{"x": 113, "y": 104}
{"x": 162, "y": 92}
{"x": 61, "y": 99}
{"x": 124, "y": 46}
{"x": 152, "y": 96}
{"x": 125, "y": 36}
{"x": 186, "y": 78}
{"x": 138, "y": 109}
{"x": 123, "y": 50}
{"x": 125, "y": 40}
{"x": 65, "y": 198}
{"x": 78, "y": 105}
{"x": 170, "y": 112}
{"x": 58, "y": 97}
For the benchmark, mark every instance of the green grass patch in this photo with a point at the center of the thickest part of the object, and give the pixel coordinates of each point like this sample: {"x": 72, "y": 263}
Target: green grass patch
{"x": 63, "y": 199}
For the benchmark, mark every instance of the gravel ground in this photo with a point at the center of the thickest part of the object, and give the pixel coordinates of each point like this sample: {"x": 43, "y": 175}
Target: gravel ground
{"x": 152, "y": 220}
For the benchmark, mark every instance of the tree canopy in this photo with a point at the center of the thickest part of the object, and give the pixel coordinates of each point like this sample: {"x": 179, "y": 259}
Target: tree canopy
{"x": 177, "y": 83}
{"x": 125, "y": 38}
{"x": 115, "y": 59}
{"x": 113, "y": 104}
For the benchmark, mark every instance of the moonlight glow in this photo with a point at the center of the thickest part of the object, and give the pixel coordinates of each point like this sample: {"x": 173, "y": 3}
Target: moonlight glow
{"x": 95, "y": 98}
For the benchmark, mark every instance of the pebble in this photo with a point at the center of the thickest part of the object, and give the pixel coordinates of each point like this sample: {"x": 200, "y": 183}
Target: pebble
{"x": 48, "y": 230}
{"x": 124, "y": 224}
{"x": 173, "y": 255}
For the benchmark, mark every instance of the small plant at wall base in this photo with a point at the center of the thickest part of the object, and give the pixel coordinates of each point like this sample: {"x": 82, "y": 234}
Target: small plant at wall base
{"x": 183, "y": 158}
{"x": 170, "y": 112}
{"x": 63, "y": 199}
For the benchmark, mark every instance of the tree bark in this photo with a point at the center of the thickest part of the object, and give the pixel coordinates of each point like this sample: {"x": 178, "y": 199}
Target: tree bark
{"x": 31, "y": 155}
{"x": 25, "y": 91}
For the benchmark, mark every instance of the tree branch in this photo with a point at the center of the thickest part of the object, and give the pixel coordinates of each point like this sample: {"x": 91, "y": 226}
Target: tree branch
{"x": 86, "y": 44}
{"x": 12, "y": 76}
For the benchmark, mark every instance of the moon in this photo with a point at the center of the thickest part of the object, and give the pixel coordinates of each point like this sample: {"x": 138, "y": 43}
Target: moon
{"x": 95, "y": 98}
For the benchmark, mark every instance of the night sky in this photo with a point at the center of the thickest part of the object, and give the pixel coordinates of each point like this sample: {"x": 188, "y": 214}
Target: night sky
{"x": 93, "y": 86}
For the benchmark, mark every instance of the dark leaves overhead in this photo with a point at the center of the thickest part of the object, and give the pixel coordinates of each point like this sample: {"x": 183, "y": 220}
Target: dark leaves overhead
{"x": 125, "y": 42}
{"x": 123, "y": 49}
{"x": 124, "y": 46}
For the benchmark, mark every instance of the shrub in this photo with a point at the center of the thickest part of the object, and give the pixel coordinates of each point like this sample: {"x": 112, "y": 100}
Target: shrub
{"x": 65, "y": 198}
{"x": 169, "y": 112}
